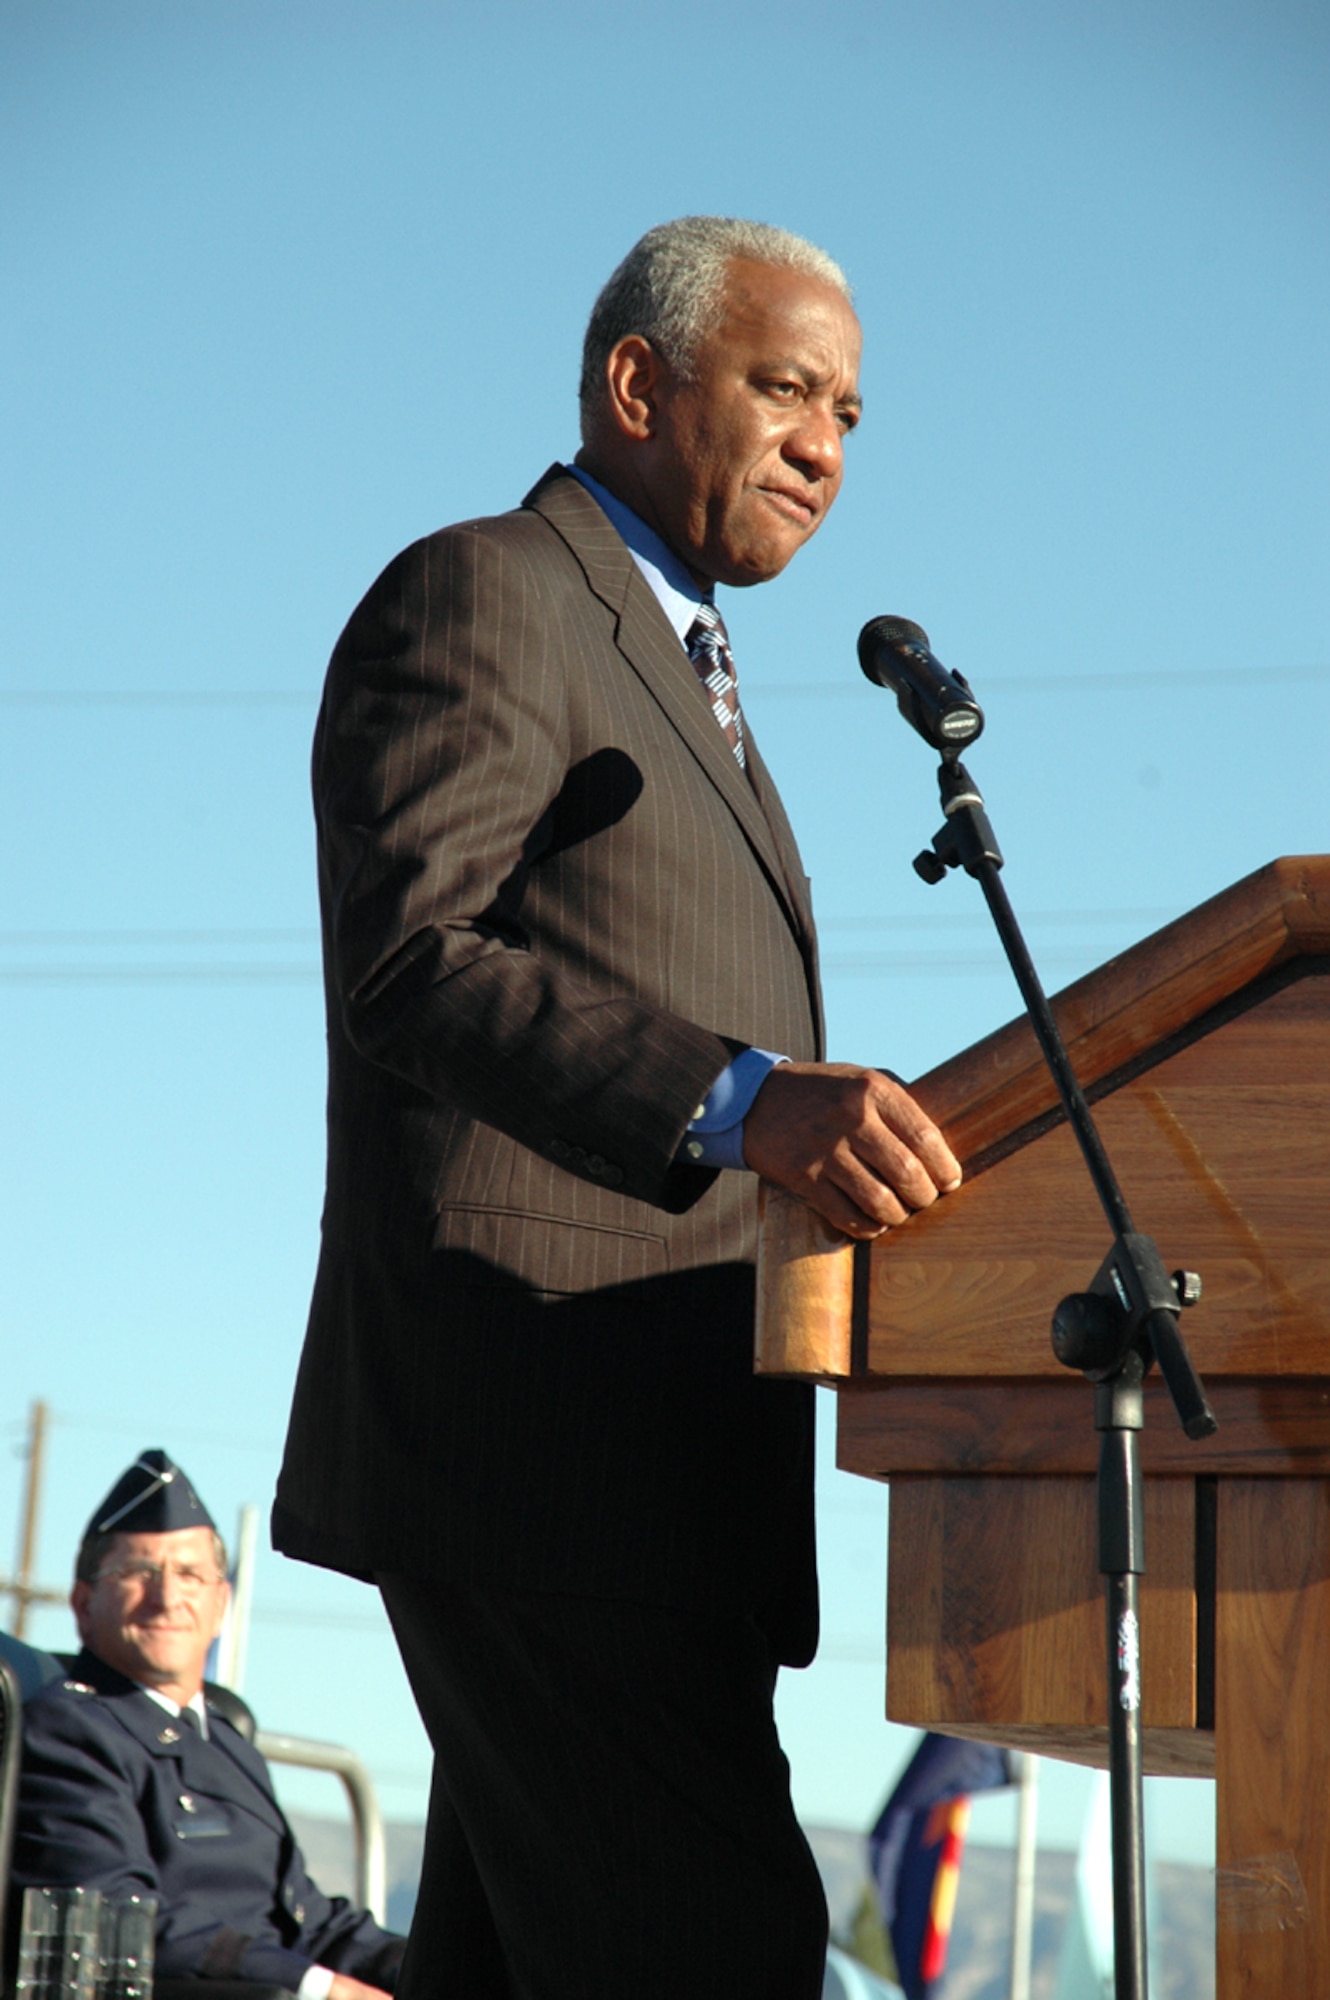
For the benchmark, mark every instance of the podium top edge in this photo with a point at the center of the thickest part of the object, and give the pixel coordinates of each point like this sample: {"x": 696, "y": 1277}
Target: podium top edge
{"x": 1145, "y": 996}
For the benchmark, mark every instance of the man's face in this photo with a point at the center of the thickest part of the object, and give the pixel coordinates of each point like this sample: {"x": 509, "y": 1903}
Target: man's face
{"x": 155, "y": 1608}
{"x": 746, "y": 458}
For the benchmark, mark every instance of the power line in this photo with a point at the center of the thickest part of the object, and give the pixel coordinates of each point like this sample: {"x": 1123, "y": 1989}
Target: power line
{"x": 308, "y": 933}
{"x": 303, "y": 934}
{"x": 934, "y": 965}
{"x": 161, "y": 975}
{"x": 1071, "y": 682}
{"x": 843, "y": 1651}
{"x": 307, "y": 698}
{"x": 158, "y": 971}
{"x": 229, "y": 1440}
{"x": 1067, "y": 682}
{"x": 220, "y": 972}
{"x": 980, "y": 920}
{"x": 900, "y": 964}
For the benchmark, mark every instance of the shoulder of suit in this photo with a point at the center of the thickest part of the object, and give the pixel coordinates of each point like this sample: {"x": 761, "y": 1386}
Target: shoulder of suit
{"x": 550, "y": 559}
{"x": 557, "y": 510}
{"x": 544, "y": 555}
{"x": 73, "y": 1707}
{"x": 65, "y": 1689}
{"x": 68, "y": 1707}
{"x": 556, "y": 504}
{"x": 544, "y": 548}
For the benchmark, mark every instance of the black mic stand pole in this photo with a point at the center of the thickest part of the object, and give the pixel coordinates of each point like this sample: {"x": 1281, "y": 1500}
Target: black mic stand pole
{"x": 1112, "y": 1332}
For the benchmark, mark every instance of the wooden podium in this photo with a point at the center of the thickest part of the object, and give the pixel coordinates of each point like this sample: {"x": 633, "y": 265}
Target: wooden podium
{"x": 1206, "y": 1053}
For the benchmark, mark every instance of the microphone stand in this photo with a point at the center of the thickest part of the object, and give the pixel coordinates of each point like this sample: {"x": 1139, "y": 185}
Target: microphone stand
{"x": 1126, "y": 1319}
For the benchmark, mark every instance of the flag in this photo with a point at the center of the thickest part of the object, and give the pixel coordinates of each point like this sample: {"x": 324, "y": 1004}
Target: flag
{"x": 916, "y": 1850}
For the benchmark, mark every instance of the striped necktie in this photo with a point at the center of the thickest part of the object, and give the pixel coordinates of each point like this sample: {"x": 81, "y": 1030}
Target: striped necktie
{"x": 708, "y": 646}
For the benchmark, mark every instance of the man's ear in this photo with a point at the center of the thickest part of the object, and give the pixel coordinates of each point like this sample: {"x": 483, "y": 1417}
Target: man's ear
{"x": 78, "y": 1604}
{"x": 633, "y": 377}
{"x": 224, "y": 1597}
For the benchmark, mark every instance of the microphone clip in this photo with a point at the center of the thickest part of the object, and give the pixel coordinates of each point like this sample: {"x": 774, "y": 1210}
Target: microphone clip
{"x": 966, "y": 838}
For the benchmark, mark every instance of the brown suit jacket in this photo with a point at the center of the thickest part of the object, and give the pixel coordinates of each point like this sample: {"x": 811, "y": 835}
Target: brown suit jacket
{"x": 554, "y": 908}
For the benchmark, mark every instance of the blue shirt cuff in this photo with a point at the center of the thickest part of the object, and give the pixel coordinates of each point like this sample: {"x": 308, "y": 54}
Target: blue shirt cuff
{"x": 715, "y": 1138}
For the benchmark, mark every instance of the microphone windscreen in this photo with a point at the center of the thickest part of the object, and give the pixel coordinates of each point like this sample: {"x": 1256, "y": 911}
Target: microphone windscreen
{"x": 885, "y": 635}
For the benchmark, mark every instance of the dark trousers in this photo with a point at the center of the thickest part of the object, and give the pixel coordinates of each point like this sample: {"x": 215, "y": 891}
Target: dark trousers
{"x": 610, "y": 1812}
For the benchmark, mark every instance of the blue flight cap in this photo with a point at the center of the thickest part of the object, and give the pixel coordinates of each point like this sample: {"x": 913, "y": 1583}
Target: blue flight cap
{"x": 154, "y": 1497}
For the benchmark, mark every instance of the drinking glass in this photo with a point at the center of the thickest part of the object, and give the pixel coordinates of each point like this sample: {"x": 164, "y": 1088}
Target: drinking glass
{"x": 59, "y": 1950}
{"x": 129, "y": 1938}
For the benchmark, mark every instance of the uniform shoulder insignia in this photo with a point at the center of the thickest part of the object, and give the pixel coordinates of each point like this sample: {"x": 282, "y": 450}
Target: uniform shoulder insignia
{"x": 78, "y": 1687}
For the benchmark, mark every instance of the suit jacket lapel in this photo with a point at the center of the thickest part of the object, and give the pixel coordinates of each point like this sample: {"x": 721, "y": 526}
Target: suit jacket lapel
{"x": 236, "y": 1771}
{"x": 796, "y": 881}
{"x": 649, "y": 645}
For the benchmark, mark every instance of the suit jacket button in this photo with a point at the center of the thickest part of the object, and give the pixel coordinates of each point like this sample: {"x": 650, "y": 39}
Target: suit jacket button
{"x": 299, "y": 1913}
{"x": 595, "y": 1165}
{"x": 613, "y": 1176}
{"x": 694, "y": 1149}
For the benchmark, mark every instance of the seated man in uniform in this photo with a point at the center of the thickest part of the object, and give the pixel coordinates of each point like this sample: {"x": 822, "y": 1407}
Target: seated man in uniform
{"x": 133, "y": 1783}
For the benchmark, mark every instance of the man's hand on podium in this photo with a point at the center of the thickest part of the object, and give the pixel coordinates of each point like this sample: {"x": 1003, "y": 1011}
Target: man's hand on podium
{"x": 850, "y": 1142}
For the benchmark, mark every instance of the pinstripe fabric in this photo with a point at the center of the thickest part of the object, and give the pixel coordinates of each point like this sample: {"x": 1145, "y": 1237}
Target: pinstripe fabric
{"x": 553, "y": 907}
{"x": 611, "y": 1809}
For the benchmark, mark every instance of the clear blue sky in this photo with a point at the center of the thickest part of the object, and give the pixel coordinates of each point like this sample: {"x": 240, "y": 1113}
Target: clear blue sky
{"x": 292, "y": 283}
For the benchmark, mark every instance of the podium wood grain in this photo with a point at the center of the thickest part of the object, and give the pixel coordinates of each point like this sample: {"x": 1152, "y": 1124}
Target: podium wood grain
{"x": 1206, "y": 1050}
{"x": 1272, "y": 1835}
{"x": 979, "y": 1645}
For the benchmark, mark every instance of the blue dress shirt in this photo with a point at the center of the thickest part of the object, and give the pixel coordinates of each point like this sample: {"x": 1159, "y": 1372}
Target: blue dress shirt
{"x": 715, "y": 1137}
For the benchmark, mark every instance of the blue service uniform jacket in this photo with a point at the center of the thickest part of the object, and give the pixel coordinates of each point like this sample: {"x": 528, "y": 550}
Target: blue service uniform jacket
{"x": 116, "y": 1795}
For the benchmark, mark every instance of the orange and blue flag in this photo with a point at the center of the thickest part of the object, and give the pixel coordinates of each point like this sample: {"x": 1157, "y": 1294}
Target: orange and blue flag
{"x": 916, "y": 1850}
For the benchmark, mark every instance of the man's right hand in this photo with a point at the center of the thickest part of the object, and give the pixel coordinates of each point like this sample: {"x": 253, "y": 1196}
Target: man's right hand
{"x": 344, "y": 1987}
{"x": 850, "y": 1142}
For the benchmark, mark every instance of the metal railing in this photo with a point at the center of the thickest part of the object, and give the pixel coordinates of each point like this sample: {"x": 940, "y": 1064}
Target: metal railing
{"x": 371, "y": 1873}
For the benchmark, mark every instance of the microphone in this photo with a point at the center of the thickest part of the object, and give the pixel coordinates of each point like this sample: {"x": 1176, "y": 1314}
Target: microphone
{"x": 894, "y": 653}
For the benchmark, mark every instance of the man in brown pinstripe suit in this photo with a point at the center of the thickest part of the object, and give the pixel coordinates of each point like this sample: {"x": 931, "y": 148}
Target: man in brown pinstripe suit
{"x": 573, "y": 1015}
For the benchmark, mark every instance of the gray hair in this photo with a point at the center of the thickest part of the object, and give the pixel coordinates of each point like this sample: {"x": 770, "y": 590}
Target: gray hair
{"x": 94, "y": 1549}
{"x": 670, "y": 287}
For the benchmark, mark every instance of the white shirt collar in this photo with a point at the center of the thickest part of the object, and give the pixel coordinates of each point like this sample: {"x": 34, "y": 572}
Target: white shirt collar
{"x": 198, "y": 1705}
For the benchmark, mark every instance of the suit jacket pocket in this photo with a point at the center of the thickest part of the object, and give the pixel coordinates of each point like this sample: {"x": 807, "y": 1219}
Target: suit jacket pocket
{"x": 499, "y": 1247}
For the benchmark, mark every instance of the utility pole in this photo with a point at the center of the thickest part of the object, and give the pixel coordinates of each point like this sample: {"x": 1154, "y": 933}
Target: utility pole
{"x": 22, "y": 1590}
